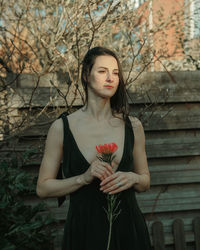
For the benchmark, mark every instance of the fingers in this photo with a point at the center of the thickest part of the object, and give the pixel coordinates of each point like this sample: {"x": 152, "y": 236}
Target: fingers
{"x": 102, "y": 173}
{"x": 101, "y": 170}
{"x": 116, "y": 183}
{"x": 110, "y": 178}
{"x": 119, "y": 189}
{"x": 108, "y": 167}
{"x": 96, "y": 173}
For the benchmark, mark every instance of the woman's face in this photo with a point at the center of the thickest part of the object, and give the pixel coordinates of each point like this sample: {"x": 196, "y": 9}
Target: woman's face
{"x": 104, "y": 76}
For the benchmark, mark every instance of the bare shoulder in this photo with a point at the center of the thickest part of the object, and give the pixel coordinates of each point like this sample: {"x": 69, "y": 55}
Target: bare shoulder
{"x": 75, "y": 115}
{"x": 56, "y": 131}
{"x": 136, "y": 123}
{"x": 138, "y": 131}
{"x": 57, "y": 125}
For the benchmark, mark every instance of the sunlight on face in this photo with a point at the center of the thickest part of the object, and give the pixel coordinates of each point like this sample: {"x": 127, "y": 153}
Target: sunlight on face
{"x": 104, "y": 76}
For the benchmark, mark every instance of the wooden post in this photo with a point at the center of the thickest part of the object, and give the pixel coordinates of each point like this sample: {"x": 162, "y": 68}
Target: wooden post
{"x": 196, "y": 225}
{"x": 179, "y": 235}
{"x": 158, "y": 236}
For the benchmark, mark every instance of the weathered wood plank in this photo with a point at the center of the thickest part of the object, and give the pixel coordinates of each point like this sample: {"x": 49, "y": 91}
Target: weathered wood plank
{"x": 197, "y": 232}
{"x": 179, "y": 235}
{"x": 44, "y": 96}
{"x": 172, "y": 143}
{"x": 175, "y": 177}
{"x": 175, "y": 170}
{"x": 28, "y": 80}
{"x": 158, "y": 236}
{"x": 157, "y": 87}
{"x": 170, "y": 198}
{"x": 168, "y": 116}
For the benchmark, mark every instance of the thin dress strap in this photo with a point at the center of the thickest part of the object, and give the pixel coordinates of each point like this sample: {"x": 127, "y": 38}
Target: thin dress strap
{"x": 66, "y": 126}
{"x": 60, "y": 171}
{"x": 130, "y": 131}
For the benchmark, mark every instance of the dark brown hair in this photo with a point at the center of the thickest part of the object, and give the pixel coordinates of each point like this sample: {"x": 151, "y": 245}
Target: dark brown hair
{"x": 119, "y": 103}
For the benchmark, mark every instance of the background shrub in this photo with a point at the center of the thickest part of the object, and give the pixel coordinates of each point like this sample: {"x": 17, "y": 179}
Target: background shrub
{"x": 21, "y": 225}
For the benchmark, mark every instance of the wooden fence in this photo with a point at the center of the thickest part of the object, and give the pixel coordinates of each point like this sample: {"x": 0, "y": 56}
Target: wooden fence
{"x": 158, "y": 236}
{"x": 170, "y": 108}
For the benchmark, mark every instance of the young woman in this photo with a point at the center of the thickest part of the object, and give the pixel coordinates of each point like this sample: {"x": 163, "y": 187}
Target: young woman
{"x": 103, "y": 119}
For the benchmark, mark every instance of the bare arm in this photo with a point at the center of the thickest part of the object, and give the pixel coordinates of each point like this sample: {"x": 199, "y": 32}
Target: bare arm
{"x": 47, "y": 184}
{"x": 140, "y": 158}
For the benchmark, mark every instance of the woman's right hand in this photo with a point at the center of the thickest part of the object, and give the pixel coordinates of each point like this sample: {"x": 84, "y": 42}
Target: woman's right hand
{"x": 98, "y": 169}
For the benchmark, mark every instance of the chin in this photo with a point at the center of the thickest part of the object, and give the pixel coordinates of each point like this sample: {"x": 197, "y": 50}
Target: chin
{"x": 108, "y": 94}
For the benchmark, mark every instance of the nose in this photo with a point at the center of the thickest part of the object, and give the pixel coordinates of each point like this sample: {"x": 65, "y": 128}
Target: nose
{"x": 109, "y": 77}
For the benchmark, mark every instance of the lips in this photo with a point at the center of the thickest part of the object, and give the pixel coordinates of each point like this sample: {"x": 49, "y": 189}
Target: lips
{"x": 108, "y": 86}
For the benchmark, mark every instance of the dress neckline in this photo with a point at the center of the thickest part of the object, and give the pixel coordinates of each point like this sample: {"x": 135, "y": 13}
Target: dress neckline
{"x": 83, "y": 157}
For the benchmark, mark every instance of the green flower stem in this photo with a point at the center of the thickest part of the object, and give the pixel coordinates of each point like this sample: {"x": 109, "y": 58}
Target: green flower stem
{"x": 111, "y": 214}
{"x": 111, "y": 200}
{"x": 110, "y": 231}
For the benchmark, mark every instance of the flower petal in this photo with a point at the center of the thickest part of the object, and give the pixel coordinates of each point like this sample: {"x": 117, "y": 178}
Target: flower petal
{"x": 114, "y": 147}
{"x": 99, "y": 148}
{"x": 107, "y": 148}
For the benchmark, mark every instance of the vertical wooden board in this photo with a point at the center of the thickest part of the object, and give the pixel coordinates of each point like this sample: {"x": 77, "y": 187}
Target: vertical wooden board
{"x": 158, "y": 236}
{"x": 196, "y": 224}
{"x": 179, "y": 235}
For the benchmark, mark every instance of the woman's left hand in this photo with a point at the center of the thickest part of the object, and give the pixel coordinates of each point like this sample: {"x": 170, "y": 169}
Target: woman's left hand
{"x": 118, "y": 182}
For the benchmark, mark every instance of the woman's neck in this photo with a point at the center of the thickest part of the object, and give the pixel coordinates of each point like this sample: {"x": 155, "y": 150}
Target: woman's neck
{"x": 98, "y": 108}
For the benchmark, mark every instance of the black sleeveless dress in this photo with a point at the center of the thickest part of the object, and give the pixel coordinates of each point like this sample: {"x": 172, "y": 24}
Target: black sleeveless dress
{"x": 87, "y": 226}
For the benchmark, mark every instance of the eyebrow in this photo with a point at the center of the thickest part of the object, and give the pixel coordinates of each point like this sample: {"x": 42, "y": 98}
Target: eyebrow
{"x": 106, "y": 68}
